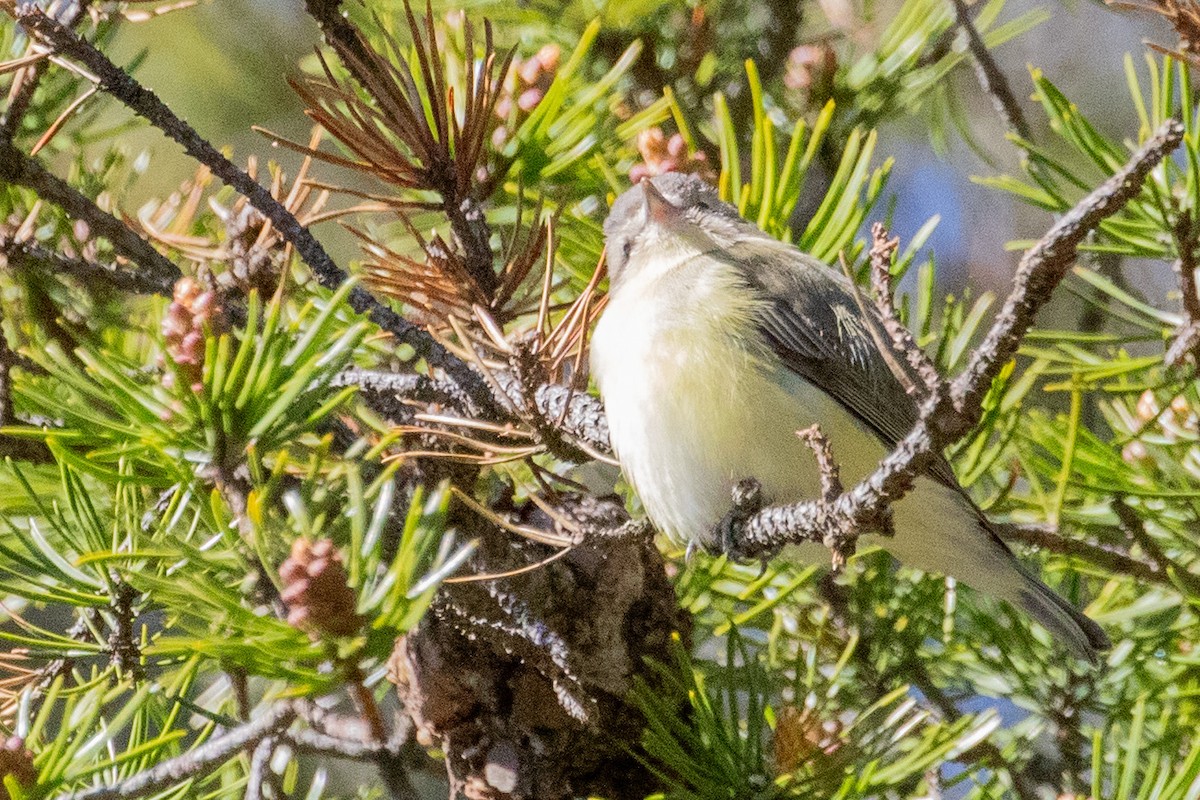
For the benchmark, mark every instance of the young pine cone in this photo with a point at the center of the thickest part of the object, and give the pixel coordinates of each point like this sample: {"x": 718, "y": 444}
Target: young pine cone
{"x": 192, "y": 308}
{"x": 315, "y": 591}
{"x": 660, "y": 154}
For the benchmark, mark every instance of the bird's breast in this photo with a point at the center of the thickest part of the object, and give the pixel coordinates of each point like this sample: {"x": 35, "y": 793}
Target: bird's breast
{"x": 695, "y": 402}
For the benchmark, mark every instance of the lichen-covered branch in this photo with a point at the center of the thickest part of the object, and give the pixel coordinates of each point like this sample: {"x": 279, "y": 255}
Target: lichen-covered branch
{"x": 30, "y": 255}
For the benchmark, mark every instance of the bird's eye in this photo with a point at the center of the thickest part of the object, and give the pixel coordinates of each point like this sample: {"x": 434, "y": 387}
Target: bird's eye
{"x": 626, "y": 248}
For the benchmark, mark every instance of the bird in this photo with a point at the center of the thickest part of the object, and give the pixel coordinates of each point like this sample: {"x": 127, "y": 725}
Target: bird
{"x": 719, "y": 343}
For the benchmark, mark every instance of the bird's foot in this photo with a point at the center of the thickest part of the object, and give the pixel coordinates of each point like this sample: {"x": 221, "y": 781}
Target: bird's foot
{"x": 747, "y": 501}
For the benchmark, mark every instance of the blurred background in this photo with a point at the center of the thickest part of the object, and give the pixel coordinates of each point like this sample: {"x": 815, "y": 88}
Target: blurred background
{"x": 210, "y": 63}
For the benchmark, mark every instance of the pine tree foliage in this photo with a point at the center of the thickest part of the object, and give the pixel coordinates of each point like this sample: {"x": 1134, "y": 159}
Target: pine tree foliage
{"x": 233, "y": 508}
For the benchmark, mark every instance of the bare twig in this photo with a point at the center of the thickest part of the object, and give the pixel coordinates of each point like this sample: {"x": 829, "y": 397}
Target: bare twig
{"x": 883, "y": 247}
{"x": 146, "y": 104}
{"x": 194, "y": 764}
{"x": 21, "y": 170}
{"x": 30, "y": 255}
{"x": 991, "y": 77}
{"x": 26, "y": 81}
{"x": 364, "y": 701}
{"x": 409, "y": 385}
{"x": 386, "y": 756}
{"x": 945, "y": 418}
{"x": 841, "y": 548}
{"x": 1106, "y": 557}
{"x": 831, "y": 483}
{"x": 1187, "y": 339}
{"x": 1166, "y": 569}
{"x": 260, "y": 764}
{"x": 578, "y": 414}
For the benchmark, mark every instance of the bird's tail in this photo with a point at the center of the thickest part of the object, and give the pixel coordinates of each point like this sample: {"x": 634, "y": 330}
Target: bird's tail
{"x": 1065, "y": 622}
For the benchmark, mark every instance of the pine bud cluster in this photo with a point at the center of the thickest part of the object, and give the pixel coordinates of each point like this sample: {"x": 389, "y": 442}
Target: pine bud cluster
{"x": 661, "y": 154}
{"x": 316, "y": 592}
{"x": 1177, "y": 422}
{"x": 524, "y": 87}
{"x": 193, "y": 308}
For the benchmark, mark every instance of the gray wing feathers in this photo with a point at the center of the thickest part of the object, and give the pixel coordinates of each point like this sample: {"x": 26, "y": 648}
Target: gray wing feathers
{"x": 813, "y": 323}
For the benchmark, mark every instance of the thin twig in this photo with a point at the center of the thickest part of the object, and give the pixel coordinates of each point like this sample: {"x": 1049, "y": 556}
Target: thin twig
{"x": 411, "y": 386}
{"x": 386, "y": 756}
{"x": 1132, "y": 526}
{"x": 991, "y": 77}
{"x": 260, "y": 763}
{"x": 30, "y": 255}
{"x": 1108, "y": 558}
{"x": 883, "y": 247}
{"x": 146, "y": 104}
{"x": 195, "y": 763}
{"x": 26, "y": 81}
{"x": 1187, "y": 339}
{"x": 18, "y": 169}
{"x": 831, "y": 483}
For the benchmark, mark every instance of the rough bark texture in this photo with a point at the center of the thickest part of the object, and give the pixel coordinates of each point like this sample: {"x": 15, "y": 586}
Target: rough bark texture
{"x": 498, "y": 711}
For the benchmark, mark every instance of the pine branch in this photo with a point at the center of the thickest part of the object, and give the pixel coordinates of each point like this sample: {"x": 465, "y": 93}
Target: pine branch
{"x": 26, "y": 82}
{"x": 146, "y": 104}
{"x": 1112, "y": 559}
{"x": 19, "y": 169}
{"x": 452, "y": 167}
{"x": 194, "y": 764}
{"x": 30, "y": 255}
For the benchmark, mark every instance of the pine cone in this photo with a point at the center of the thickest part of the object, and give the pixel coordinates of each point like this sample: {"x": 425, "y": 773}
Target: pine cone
{"x": 315, "y": 591}
{"x": 802, "y": 735}
{"x": 660, "y": 154}
{"x": 193, "y": 307}
{"x": 17, "y": 761}
{"x": 524, "y": 87}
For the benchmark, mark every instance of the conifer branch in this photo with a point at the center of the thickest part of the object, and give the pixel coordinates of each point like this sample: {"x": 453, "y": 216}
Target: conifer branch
{"x": 147, "y": 105}
{"x": 19, "y": 169}
{"x": 196, "y": 763}
{"x": 30, "y": 255}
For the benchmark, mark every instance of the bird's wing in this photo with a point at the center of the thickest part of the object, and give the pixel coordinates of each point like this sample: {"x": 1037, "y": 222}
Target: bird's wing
{"x": 813, "y": 323}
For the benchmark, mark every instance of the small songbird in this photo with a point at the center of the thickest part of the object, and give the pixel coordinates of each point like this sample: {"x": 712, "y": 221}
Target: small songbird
{"x": 719, "y": 343}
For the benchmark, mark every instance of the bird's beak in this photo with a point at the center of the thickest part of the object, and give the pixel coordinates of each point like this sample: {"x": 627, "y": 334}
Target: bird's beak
{"x": 657, "y": 207}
